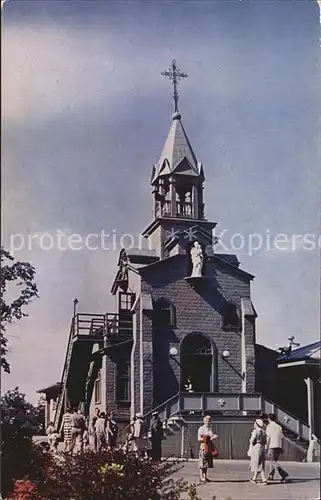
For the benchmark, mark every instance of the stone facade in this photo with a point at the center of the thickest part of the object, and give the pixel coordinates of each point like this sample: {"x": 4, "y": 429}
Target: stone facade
{"x": 199, "y": 308}
{"x": 197, "y": 305}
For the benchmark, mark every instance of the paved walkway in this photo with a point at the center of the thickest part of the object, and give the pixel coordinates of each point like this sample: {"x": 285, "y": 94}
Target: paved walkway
{"x": 230, "y": 480}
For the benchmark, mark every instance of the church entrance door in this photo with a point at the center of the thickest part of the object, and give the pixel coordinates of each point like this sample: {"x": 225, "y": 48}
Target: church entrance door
{"x": 196, "y": 364}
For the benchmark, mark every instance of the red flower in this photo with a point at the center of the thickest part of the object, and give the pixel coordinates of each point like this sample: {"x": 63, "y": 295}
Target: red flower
{"x": 24, "y": 490}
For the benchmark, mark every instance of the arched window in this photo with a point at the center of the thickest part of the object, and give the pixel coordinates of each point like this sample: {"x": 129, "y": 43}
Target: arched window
{"x": 197, "y": 370}
{"x": 231, "y": 316}
{"x": 165, "y": 314}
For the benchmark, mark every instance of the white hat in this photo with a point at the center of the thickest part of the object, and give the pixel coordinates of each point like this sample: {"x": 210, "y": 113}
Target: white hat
{"x": 155, "y": 413}
{"x": 139, "y": 415}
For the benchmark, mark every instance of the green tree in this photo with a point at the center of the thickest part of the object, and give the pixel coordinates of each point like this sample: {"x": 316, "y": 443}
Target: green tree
{"x": 21, "y": 276}
{"x": 20, "y": 421}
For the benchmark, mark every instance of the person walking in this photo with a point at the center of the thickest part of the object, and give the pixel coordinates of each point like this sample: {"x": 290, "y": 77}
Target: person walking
{"x": 257, "y": 451}
{"x": 206, "y": 438}
{"x": 100, "y": 429}
{"x": 65, "y": 430}
{"x": 77, "y": 431}
{"x": 112, "y": 430}
{"x": 156, "y": 437}
{"x": 139, "y": 434}
{"x": 274, "y": 436}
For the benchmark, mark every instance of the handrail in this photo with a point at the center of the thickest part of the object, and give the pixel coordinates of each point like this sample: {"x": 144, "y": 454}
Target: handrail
{"x": 184, "y": 209}
{"x": 82, "y": 323}
{"x": 285, "y": 411}
{"x": 65, "y": 373}
{"x": 88, "y": 324}
{"x": 301, "y": 429}
{"x": 300, "y": 425}
{"x": 162, "y": 405}
{"x": 115, "y": 325}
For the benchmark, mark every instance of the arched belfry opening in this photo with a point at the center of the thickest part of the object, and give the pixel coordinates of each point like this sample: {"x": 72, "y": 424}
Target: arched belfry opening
{"x": 197, "y": 364}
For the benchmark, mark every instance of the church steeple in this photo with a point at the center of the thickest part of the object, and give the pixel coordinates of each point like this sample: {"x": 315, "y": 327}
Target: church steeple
{"x": 177, "y": 180}
{"x": 177, "y": 177}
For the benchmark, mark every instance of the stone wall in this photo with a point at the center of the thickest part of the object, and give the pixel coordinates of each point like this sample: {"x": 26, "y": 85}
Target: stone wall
{"x": 198, "y": 310}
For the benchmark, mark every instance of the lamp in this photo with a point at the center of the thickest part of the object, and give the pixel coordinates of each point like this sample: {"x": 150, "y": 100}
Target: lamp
{"x": 173, "y": 351}
{"x": 225, "y": 354}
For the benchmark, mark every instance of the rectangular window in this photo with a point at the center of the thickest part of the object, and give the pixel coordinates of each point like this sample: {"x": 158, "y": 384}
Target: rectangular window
{"x": 165, "y": 317}
{"x": 122, "y": 381}
{"x": 231, "y": 318}
{"x": 126, "y": 301}
{"x": 97, "y": 388}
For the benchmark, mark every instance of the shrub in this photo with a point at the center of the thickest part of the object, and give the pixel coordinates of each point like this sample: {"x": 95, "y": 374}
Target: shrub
{"x": 109, "y": 474}
{"x": 20, "y": 421}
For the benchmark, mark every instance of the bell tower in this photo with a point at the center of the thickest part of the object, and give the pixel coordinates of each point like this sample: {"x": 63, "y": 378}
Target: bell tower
{"x": 177, "y": 189}
{"x": 177, "y": 177}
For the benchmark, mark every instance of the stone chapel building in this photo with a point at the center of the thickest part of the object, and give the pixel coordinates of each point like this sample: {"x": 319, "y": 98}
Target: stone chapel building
{"x": 182, "y": 339}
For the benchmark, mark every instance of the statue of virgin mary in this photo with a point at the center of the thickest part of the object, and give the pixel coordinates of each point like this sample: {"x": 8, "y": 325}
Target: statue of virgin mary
{"x": 197, "y": 260}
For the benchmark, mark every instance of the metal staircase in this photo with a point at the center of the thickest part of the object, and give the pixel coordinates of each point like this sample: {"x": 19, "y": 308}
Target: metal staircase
{"x": 85, "y": 331}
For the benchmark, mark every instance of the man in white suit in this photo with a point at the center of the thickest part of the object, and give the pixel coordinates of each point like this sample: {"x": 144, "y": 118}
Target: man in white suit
{"x": 274, "y": 436}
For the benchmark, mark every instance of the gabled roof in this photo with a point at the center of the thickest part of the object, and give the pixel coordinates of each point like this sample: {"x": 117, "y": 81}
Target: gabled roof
{"x": 220, "y": 259}
{"x": 229, "y": 258}
{"x": 307, "y": 352}
{"x": 177, "y": 155}
{"x": 216, "y": 258}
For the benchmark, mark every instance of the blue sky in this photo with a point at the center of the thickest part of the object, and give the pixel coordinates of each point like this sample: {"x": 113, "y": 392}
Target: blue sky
{"x": 86, "y": 113}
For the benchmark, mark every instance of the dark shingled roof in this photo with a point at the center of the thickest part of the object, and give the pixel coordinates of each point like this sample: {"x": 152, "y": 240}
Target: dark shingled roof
{"x": 310, "y": 351}
{"x": 177, "y": 148}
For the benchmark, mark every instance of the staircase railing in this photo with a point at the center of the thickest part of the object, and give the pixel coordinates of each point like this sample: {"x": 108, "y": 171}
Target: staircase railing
{"x": 117, "y": 326}
{"x": 91, "y": 325}
{"x": 230, "y": 404}
{"x": 166, "y": 409}
{"x": 65, "y": 373}
{"x": 287, "y": 419}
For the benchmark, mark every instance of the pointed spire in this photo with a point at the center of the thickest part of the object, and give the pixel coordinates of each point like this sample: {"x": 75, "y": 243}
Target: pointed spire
{"x": 177, "y": 154}
{"x": 177, "y": 147}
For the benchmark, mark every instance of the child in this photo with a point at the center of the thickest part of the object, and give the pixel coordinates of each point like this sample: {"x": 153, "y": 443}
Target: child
{"x": 52, "y": 437}
{"x": 85, "y": 438}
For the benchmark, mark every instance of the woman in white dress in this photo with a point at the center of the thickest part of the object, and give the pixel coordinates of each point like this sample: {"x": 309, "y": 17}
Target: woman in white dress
{"x": 206, "y": 438}
{"x": 256, "y": 451}
{"x": 139, "y": 435}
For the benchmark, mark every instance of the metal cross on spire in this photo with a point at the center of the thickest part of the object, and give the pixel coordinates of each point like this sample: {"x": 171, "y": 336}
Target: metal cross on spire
{"x": 174, "y": 74}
